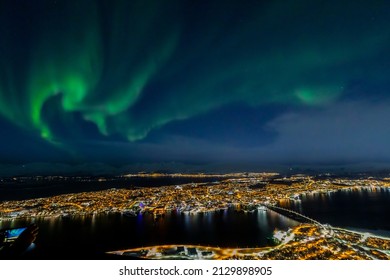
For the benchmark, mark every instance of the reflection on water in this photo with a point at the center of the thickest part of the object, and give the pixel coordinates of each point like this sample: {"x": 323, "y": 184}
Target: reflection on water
{"x": 91, "y": 235}
{"x": 365, "y": 208}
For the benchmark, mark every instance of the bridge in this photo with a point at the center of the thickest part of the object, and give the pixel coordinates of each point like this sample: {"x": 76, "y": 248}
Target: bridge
{"x": 281, "y": 209}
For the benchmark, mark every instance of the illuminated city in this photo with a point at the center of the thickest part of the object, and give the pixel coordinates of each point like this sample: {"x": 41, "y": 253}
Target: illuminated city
{"x": 243, "y": 192}
{"x": 304, "y": 242}
{"x": 246, "y": 192}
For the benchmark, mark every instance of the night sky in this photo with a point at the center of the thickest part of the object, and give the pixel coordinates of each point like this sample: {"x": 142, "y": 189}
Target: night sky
{"x": 191, "y": 82}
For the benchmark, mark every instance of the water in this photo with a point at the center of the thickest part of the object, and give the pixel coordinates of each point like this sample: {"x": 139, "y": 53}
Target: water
{"x": 90, "y": 237}
{"x": 363, "y": 209}
{"x": 32, "y": 189}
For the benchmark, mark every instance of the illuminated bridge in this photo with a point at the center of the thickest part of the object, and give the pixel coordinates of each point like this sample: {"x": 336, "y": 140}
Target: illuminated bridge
{"x": 294, "y": 214}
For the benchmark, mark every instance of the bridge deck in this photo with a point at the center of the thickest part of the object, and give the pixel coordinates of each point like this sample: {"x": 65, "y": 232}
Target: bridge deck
{"x": 274, "y": 207}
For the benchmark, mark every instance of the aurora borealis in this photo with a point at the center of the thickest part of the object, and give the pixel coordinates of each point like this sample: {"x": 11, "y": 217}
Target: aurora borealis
{"x": 142, "y": 80}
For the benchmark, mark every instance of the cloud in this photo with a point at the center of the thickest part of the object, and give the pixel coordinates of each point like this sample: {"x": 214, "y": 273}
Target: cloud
{"x": 347, "y": 131}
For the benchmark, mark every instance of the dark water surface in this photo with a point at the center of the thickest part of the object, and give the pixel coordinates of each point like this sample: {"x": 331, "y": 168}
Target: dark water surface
{"x": 32, "y": 189}
{"x": 363, "y": 209}
{"x": 89, "y": 237}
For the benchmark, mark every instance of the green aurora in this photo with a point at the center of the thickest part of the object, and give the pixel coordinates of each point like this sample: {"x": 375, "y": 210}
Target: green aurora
{"x": 130, "y": 67}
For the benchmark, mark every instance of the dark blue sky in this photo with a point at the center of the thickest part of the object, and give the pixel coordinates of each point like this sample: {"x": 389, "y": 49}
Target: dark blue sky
{"x": 165, "y": 84}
